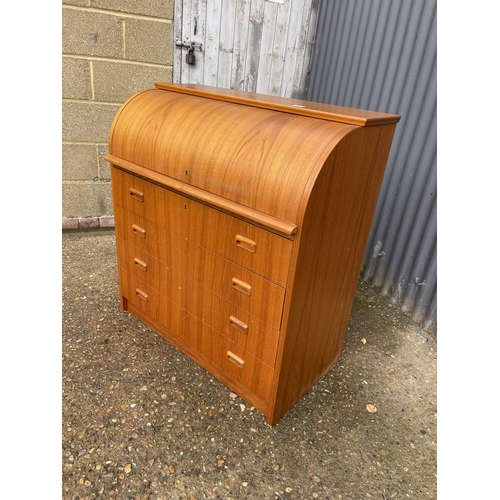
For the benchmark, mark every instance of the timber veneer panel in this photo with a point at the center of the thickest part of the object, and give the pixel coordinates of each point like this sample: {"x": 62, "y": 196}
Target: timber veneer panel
{"x": 241, "y": 223}
{"x": 264, "y": 298}
{"x": 238, "y": 325}
{"x": 210, "y": 229}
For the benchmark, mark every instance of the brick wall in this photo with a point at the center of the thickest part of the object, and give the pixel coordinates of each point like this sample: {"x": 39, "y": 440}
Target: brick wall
{"x": 111, "y": 49}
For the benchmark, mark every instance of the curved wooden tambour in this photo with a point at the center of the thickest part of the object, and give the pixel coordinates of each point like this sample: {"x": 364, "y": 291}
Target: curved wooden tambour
{"x": 249, "y": 155}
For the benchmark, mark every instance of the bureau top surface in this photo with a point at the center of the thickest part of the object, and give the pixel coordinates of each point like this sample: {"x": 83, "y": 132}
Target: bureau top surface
{"x": 340, "y": 114}
{"x": 258, "y": 151}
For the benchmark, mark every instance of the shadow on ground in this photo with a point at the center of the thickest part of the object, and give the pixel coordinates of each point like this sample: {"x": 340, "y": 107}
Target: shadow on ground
{"x": 143, "y": 421}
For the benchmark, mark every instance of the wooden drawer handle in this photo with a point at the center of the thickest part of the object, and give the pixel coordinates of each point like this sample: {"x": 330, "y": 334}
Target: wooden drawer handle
{"x": 142, "y": 295}
{"x": 241, "y": 286}
{"x": 140, "y": 264}
{"x": 139, "y": 231}
{"x": 136, "y": 194}
{"x": 239, "y": 325}
{"x": 235, "y": 359}
{"x": 245, "y": 243}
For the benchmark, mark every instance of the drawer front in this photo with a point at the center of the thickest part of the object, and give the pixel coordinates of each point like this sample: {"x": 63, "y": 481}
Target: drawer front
{"x": 239, "y": 326}
{"x": 237, "y": 363}
{"x": 140, "y": 294}
{"x": 139, "y": 263}
{"x": 242, "y": 288}
{"x": 221, "y": 351}
{"x": 253, "y": 248}
{"x": 135, "y": 194}
{"x": 139, "y": 232}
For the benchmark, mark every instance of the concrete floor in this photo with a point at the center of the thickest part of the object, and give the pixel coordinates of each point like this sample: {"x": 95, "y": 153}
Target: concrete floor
{"x": 143, "y": 421}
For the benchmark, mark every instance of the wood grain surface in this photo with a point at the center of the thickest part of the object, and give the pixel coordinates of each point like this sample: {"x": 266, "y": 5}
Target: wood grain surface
{"x": 241, "y": 224}
{"x": 212, "y": 145}
{"x": 206, "y": 268}
{"x": 338, "y": 114}
{"x": 222, "y": 234}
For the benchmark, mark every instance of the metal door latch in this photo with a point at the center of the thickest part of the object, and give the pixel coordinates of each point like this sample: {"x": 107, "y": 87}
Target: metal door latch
{"x": 189, "y": 45}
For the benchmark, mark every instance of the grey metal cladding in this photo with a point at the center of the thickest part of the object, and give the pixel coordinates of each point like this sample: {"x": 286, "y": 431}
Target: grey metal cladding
{"x": 382, "y": 55}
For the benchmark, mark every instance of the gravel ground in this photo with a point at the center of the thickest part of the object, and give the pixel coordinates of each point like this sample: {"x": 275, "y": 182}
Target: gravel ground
{"x": 143, "y": 421}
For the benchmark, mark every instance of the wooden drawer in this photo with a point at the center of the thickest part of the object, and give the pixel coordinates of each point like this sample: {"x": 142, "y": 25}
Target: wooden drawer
{"x": 135, "y": 194}
{"x": 237, "y": 363}
{"x": 242, "y": 288}
{"x": 234, "y": 323}
{"x": 218, "y": 349}
{"x": 253, "y": 248}
{"x": 140, "y": 294}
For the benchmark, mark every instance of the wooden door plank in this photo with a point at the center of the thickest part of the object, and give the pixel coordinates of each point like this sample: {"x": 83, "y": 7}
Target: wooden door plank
{"x": 198, "y": 26}
{"x": 178, "y": 52}
{"x": 212, "y": 41}
{"x": 293, "y": 50}
{"x": 240, "y": 44}
{"x": 226, "y": 43}
{"x": 305, "y": 45}
{"x": 266, "y": 47}
{"x": 255, "y": 26}
{"x": 279, "y": 47}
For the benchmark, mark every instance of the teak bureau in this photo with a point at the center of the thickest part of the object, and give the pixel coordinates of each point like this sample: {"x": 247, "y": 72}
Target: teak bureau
{"x": 241, "y": 223}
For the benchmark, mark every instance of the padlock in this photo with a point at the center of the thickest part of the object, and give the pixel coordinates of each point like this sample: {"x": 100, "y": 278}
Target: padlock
{"x": 190, "y": 57}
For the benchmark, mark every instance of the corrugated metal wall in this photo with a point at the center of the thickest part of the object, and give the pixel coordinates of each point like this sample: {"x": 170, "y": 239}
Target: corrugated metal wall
{"x": 381, "y": 55}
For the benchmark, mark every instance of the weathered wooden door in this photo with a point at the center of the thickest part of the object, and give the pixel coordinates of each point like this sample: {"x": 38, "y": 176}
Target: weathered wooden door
{"x": 259, "y": 46}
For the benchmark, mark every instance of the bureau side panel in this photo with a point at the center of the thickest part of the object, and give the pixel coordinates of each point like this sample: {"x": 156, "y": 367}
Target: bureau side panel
{"x": 326, "y": 263}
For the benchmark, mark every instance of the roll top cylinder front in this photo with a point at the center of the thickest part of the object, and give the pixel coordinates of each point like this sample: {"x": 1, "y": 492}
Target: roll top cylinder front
{"x": 262, "y": 159}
